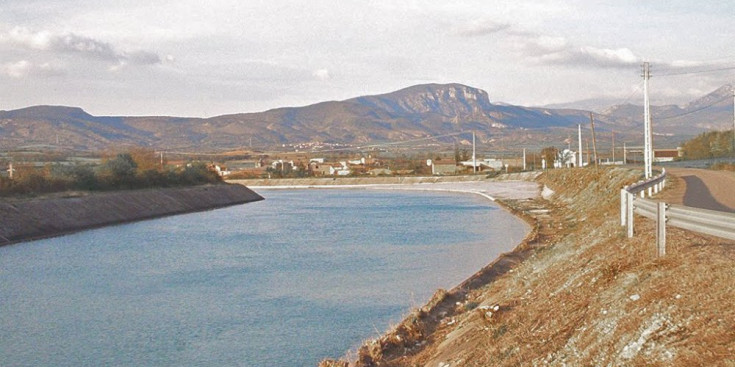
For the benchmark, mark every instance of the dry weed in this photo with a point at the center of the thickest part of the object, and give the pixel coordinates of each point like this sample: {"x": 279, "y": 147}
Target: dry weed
{"x": 584, "y": 295}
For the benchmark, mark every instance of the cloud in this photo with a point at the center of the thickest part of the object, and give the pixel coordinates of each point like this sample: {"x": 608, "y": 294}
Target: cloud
{"x": 593, "y": 57}
{"x": 23, "y": 68}
{"x": 550, "y": 49}
{"x": 321, "y": 74}
{"x": 24, "y": 37}
{"x": 143, "y": 58}
{"x": 558, "y": 51}
{"x": 15, "y": 69}
{"x": 70, "y": 43}
{"x": 540, "y": 46}
{"x": 479, "y": 28}
{"x": 621, "y": 57}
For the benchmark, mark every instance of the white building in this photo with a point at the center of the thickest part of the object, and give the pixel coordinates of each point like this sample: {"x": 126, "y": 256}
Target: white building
{"x": 566, "y": 158}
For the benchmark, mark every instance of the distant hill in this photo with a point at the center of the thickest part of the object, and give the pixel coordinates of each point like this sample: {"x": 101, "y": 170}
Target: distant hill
{"x": 415, "y": 112}
{"x": 597, "y": 105}
{"x": 713, "y": 111}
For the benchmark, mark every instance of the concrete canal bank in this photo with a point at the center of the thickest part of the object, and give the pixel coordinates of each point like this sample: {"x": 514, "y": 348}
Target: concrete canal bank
{"x": 27, "y": 219}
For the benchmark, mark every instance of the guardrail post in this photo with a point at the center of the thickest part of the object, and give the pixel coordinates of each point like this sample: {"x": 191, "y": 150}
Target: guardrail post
{"x": 629, "y": 214}
{"x": 661, "y": 229}
{"x": 623, "y": 202}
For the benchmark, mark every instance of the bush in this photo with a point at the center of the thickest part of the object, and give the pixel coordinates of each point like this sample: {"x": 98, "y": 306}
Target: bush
{"x": 120, "y": 172}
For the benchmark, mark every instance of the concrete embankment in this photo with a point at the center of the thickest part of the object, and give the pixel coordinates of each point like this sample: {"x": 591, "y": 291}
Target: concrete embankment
{"x": 379, "y": 180}
{"x": 22, "y": 220}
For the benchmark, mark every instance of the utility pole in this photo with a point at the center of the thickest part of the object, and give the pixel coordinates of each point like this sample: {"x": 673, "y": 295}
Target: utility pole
{"x": 474, "y": 159}
{"x": 613, "y": 146}
{"x": 10, "y": 170}
{"x": 625, "y": 154}
{"x": 579, "y": 132}
{"x": 594, "y": 139}
{"x": 524, "y": 159}
{"x": 647, "y": 144}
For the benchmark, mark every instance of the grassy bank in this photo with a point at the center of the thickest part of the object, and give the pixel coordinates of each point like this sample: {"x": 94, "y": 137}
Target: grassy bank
{"x": 578, "y": 292}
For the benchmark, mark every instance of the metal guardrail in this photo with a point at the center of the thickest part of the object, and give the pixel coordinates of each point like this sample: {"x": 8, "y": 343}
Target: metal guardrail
{"x": 645, "y": 207}
{"x": 628, "y": 193}
{"x": 710, "y": 222}
{"x": 653, "y": 185}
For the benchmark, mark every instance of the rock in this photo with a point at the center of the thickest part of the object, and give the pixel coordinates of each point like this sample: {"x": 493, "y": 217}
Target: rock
{"x": 333, "y": 363}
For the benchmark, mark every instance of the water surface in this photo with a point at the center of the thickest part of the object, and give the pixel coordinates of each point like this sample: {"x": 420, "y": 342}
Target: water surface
{"x": 287, "y": 281}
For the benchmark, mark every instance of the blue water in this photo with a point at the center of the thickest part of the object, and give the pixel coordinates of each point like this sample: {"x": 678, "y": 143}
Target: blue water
{"x": 288, "y": 281}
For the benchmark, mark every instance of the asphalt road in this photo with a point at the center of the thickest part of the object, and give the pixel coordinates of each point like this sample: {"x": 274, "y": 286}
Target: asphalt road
{"x": 702, "y": 188}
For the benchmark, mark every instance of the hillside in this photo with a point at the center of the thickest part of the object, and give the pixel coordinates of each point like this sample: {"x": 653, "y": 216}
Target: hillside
{"x": 578, "y": 292}
{"x": 713, "y": 111}
{"x": 414, "y": 112}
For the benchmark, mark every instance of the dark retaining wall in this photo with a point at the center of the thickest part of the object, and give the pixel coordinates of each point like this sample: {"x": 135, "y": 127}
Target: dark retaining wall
{"x": 22, "y": 220}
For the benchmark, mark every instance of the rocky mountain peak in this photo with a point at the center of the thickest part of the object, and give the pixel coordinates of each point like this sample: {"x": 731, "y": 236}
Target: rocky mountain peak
{"x": 720, "y": 96}
{"x": 444, "y": 99}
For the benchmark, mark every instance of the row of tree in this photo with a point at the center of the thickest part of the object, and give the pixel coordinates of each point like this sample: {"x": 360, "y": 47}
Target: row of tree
{"x": 134, "y": 169}
{"x": 713, "y": 144}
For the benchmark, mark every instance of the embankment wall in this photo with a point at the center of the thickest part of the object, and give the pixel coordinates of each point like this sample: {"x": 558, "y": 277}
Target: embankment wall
{"x": 23, "y": 220}
{"x": 379, "y": 180}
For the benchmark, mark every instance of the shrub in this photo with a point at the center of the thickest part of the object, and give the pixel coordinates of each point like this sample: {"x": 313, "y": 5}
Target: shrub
{"x": 120, "y": 172}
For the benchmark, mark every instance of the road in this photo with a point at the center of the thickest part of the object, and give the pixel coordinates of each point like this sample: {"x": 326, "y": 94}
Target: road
{"x": 702, "y": 188}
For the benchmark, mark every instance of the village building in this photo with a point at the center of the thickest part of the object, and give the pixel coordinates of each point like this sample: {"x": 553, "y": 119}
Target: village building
{"x": 317, "y": 168}
{"x": 666, "y": 155}
{"x": 380, "y": 172}
{"x": 566, "y": 158}
{"x": 221, "y": 171}
{"x": 441, "y": 169}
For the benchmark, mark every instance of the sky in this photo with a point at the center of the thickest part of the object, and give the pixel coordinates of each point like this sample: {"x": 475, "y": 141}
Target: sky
{"x": 202, "y": 59}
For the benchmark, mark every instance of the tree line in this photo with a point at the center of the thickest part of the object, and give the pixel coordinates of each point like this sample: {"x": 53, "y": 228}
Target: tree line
{"x": 134, "y": 169}
{"x": 712, "y": 144}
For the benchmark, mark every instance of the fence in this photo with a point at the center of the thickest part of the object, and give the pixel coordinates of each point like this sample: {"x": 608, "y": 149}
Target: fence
{"x": 710, "y": 222}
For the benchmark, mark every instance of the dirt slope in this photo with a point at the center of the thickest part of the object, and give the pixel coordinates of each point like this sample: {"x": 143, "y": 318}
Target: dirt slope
{"x": 22, "y": 220}
{"x": 579, "y": 293}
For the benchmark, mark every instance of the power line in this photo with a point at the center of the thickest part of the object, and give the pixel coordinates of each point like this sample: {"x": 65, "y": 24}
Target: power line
{"x": 694, "y": 111}
{"x": 697, "y": 71}
{"x": 635, "y": 91}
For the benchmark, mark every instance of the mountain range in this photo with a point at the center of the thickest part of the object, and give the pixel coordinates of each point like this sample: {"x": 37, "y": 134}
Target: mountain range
{"x": 410, "y": 114}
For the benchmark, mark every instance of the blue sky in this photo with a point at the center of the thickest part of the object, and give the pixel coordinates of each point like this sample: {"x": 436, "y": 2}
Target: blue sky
{"x": 193, "y": 58}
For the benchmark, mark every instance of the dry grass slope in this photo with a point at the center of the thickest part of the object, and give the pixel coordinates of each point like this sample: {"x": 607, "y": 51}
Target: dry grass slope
{"x": 579, "y": 293}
